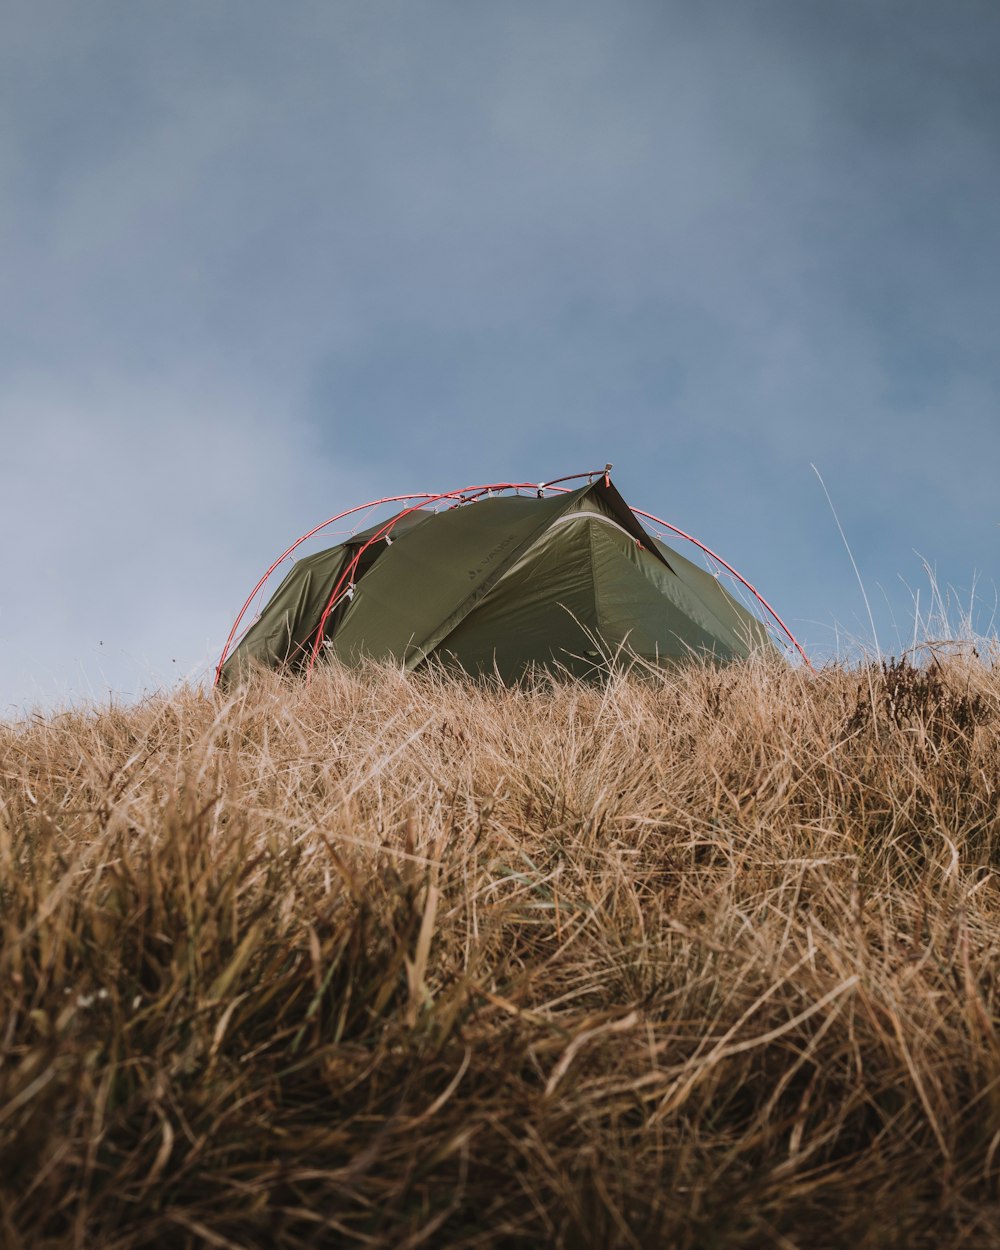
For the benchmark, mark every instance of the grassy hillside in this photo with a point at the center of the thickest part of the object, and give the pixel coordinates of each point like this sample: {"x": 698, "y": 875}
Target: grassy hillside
{"x": 397, "y": 962}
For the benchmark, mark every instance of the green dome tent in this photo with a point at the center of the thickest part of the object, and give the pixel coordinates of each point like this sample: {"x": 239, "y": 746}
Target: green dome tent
{"x": 498, "y": 584}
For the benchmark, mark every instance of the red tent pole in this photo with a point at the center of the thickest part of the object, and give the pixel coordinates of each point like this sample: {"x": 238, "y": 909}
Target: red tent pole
{"x": 287, "y": 552}
{"x": 739, "y": 577}
{"x": 466, "y": 494}
{"x": 425, "y": 496}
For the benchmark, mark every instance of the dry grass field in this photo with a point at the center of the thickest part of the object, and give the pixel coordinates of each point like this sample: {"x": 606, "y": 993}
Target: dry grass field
{"x": 704, "y": 961}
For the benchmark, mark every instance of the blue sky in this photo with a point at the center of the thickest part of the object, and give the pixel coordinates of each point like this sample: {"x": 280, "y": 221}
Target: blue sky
{"x": 262, "y": 262}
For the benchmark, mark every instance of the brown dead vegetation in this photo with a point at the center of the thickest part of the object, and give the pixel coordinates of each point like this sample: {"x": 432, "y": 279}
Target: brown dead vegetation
{"x": 703, "y": 961}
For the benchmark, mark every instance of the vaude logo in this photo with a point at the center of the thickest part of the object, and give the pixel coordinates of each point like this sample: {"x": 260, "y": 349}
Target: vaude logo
{"x": 490, "y": 556}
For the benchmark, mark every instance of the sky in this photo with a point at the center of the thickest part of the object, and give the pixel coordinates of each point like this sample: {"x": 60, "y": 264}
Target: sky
{"x": 261, "y": 262}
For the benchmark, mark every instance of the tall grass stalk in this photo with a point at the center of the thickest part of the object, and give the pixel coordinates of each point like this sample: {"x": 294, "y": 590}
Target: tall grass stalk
{"x": 708, "y": 959}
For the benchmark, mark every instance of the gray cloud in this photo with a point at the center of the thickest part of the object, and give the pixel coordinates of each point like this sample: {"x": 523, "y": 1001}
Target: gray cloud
{"x": 267, "y": 263}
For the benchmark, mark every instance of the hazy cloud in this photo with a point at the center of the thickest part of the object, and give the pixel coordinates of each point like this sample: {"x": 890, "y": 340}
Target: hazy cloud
{"x": 264, "y": 262}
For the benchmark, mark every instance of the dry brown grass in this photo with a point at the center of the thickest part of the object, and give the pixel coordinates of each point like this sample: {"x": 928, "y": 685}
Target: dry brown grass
{"x": 396, "y": 962}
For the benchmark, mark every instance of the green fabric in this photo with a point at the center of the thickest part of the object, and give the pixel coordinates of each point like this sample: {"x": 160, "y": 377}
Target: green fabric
{"x": 502, "y": 585}
{"x": 541, "y": 612}
{"x": 586, "y": 591}
{"x": 281, "y": 634}
{"x": 285, "y": 631}
{"x": 433, "y": 576}
{"x": 400, "y": 522}
{"x": 743, "y": 627}
{"x": 644, "y": 606}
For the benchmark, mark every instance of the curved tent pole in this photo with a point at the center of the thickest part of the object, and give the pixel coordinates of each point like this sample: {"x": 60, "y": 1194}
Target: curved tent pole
{"x": 466, "y": 495}
{"x": 425, "y": 496}
{"x": 288, "y": 551}
{"x": 739, "y": 577}
{"x": 348, "y": 574}
{"x": 714, "y": 556}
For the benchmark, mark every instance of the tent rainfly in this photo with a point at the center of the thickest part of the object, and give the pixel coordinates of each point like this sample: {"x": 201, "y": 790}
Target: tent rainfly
{"x": 498, "y": 583}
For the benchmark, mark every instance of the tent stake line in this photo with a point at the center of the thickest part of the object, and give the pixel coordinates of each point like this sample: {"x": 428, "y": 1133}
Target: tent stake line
{"x": 468, "y": 494}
